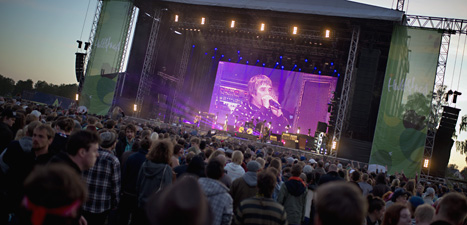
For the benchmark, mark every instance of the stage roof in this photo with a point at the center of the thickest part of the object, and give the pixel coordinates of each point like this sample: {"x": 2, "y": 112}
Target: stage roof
{"x": 339, "y": 8}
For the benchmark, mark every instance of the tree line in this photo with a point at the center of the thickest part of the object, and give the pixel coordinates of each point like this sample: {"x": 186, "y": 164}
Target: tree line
{"x": 10, "y": 88}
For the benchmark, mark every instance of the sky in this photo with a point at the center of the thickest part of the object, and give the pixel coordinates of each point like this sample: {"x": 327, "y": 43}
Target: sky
{"x": 38, "y": 41}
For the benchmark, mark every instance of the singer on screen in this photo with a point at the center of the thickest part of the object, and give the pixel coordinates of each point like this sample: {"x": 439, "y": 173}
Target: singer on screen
{"x": 262, "y": 104}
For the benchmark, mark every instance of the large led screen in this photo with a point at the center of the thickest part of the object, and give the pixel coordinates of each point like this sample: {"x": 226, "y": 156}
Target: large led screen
{"x": 248, "y": 96}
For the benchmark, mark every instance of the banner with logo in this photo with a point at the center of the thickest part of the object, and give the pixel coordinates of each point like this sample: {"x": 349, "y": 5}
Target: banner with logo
{"x": 106, "y": 54}
{"x": 401, "y": 128}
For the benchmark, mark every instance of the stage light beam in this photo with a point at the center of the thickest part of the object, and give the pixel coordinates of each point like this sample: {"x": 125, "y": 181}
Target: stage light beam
{"x": 232, "y": 24}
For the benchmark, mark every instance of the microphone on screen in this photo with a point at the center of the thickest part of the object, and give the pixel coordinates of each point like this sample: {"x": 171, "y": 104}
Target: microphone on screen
{"x": 274, "y": 104}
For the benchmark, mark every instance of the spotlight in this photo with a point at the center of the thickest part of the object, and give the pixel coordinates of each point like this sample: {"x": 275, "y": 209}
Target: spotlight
{"x": 203, "y": 20}
{"x": 334, "y": 145}
{"x": 135, "y": 107}
{"x": 425, "y": 163}
{"x": 86, "y": 45}
{"x": 77, "y": 97}
{"x": 454, "y": 99}
{"x": 232, "y": 24}
{"x": 262, "y": 27}
{"x": 295, "y": 29}
{"x": 177, "y": 32}
{"x": 176, "y": 18}
{"x": 328, "y": 34}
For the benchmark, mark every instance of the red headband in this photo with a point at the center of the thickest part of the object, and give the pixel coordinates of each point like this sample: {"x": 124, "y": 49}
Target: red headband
{"x": 39, "y": 212}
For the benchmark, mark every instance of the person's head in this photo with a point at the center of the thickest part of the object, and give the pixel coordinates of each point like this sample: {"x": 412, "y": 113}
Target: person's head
{"x": 413, "y": 203}
{"x": 258, "y": 87}
{"x": 266, "y": 183}
{"x": 296, "y": 170}
{"x": 130, "y": 131}
{"x": 424, "y": 214}
{"x": 320, "y": 164}
{"x": 92, "y": 120}
{"x": 410, "y": 186}
{"x": 215, "y": 169}
{"x": 194, "y": 141}
{"x": 400, "y": 196}
{"x": 110, "y": 124}
{"x": 395, "y": 183}
{"x": 53, "y": 194}
{"x": 397, "y": 214}
{"x": 253, "y": 166}
{"x": 64, "y": 125}
{"x": 42, "y": 137}
{"x": 261, "y": 162}
{"x": 376, "y": 206}
{"x": 381, "y": 178}
{"x": 82, "y": 147}
{"x": 160, "y": 152}
{"x": 30, "y": 128}
{"x": 452, "y": 208}
{"x": 276, "y": 163}
{"x": 355, "y": 176}
{"x": 108, "y": 140}
{"x": 178, "y": 150}
{"x": 181, "y": 203}
{"x": 8, "y": 117}
{"x": 339, "y": 203}
{"x": 237, "y": 157}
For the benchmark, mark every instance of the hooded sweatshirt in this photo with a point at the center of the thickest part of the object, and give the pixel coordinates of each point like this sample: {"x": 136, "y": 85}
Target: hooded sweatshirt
{"x": 293, "y": 197}
{"x": 243, "y": 188}
{"x": 152, "y": 177}
{"x": 234, "y": 170}
{"x": 219, "y": 200}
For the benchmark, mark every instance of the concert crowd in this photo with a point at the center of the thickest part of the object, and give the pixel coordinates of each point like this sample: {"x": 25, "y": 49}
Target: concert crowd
{"x": 59, "y": 166}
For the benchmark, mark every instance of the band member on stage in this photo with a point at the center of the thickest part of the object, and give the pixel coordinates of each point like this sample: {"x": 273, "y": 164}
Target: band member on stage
{"x": 262, "y": 104}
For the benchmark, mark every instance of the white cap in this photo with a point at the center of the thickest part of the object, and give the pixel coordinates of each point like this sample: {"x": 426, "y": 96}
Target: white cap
{"x": 36, "y": 113}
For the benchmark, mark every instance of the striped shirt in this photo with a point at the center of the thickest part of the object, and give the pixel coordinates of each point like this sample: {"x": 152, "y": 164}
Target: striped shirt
{"x": 260, "y": 211}
{"x": 103, "y": 181}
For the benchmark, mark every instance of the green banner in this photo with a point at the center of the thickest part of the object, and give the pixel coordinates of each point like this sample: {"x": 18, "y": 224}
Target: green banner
{"x": 405, "y": 106}
{"x": 106, "y": 54}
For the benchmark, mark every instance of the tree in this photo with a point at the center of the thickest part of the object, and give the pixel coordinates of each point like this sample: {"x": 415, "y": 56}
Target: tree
{"x": 461, "y": 146}
{"x": 22, "y": 85}
{"x": 452, "y": 168}
{"x": 7, "y": 85}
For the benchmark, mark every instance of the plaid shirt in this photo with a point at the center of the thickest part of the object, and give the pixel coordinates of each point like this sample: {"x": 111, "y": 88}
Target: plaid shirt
{"x": 103, "y": 181}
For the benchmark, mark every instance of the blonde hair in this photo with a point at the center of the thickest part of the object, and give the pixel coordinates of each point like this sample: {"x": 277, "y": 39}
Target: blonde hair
{"x": 261, "y": 162}
{"x": 237, "y": 157}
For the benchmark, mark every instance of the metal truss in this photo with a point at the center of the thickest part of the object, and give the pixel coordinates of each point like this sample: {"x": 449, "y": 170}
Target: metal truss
{"x": 341, "y": 115}
{"x": 121, "y": 76}
{"x": 181, "y": 72}
{"x": 435, "y": 113}
{"x": 129, "y": 28}
{"x": 91, "y": 40}
{"x": 400, "y": 5}
{"x": 145, "y": 80}
{"x": 450, "y": 25}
